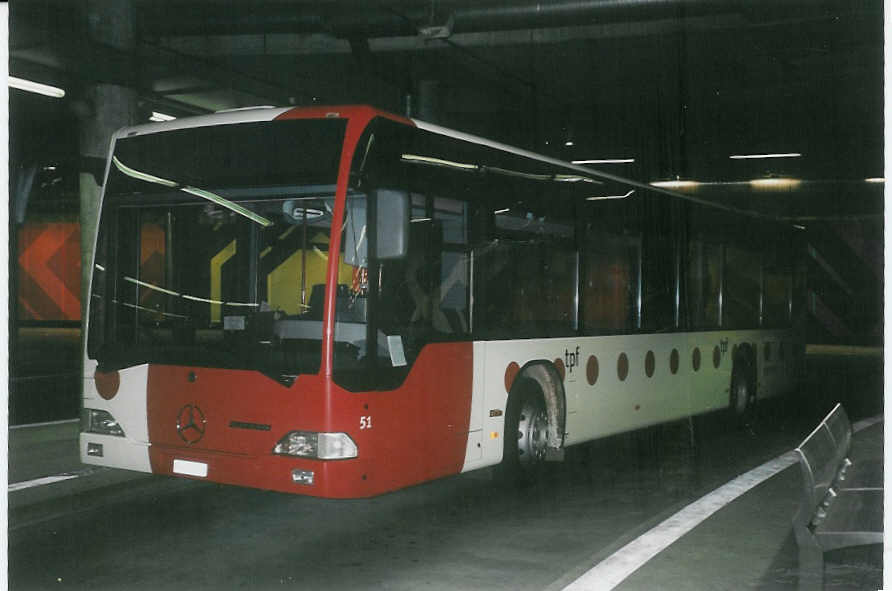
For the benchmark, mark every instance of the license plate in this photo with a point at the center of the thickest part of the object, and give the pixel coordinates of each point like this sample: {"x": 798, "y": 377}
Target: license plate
{"x": 190, "y": 468}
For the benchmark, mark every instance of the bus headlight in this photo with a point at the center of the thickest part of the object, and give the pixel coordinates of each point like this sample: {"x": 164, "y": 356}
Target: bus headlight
{"x": 322, "y": 446}
{"x": 100, "y": 421}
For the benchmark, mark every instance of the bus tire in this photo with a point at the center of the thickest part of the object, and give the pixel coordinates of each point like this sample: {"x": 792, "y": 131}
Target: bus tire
{"x": 743, "y": 393}
{"x": 526, "y": 433}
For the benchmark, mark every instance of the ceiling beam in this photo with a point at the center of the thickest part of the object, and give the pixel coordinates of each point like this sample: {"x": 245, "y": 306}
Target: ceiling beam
{"x": 85, "y": 61}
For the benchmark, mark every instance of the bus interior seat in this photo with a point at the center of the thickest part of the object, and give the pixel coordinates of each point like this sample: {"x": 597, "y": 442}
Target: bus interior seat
{"x": 316, "y": 303}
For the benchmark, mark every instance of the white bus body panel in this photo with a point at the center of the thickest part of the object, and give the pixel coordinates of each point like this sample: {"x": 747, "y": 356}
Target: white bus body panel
{"x": 128, "y": 407}
{"x": 612, "y": 405}
{"x": 233, "y": 117}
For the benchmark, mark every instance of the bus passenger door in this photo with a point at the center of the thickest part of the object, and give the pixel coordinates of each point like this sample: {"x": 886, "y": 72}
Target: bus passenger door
{"x": 474, "y": 450}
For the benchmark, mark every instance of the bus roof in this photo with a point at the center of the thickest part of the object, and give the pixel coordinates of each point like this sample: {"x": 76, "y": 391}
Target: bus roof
{"x": 221, "y": 118}
{"x": 256, "y": 114}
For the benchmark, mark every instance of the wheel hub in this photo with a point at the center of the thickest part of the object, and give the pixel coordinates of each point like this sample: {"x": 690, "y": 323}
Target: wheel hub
{"x": 532, "y": 434}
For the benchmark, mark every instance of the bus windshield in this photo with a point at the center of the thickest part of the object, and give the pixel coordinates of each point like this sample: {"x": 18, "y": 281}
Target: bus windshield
{"x": 212, "y": 247}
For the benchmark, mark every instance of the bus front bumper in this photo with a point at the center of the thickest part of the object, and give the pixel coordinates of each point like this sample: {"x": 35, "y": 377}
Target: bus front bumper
{"x": 114, "y": 452}
{"x": 353, "y": 478}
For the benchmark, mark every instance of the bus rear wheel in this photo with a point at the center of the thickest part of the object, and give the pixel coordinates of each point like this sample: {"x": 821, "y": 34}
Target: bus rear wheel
{"x": 743, "y": 395}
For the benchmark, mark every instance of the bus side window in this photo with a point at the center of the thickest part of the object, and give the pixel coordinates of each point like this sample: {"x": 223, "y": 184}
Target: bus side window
{"x": 610, "y": 278}
{"x": 658, "y": 278}
{"x": 453, "y": 294}
{"x": 658, "y": 264}
{"x": 611, "y": 258}
{"x": 741, "y": 290}
{"x": 424, "y": 297}
{"x": 527, "y": 284}
{"x": 703, "y": 283}
{"x": 776, "y": 287}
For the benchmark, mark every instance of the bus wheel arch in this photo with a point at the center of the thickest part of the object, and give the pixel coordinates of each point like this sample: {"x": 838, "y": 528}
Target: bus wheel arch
{"x": 536, "y": 379}
{"x": 742, "y": 400}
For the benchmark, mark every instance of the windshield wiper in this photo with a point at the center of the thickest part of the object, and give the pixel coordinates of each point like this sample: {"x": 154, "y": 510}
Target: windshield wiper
{"x": 198, "y": 192}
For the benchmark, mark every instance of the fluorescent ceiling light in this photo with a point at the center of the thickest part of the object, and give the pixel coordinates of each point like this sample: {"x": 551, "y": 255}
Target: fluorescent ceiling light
{"x": 798, "y": 227}
{"x": 762, "y": 156}
{"x": 212, "y": 197}
{"x": 36, "y": 87}
{"x": 156, "y": 116}
{"x": 569, "y": 143}
{"x": 416, "y": 220}
{"x": 249, "y": 108}
{"x": 875, "y": 179}
{"x": 606, "y": 161}
{"x": 202, "y": 300}
{"x": 152, "y": 310}
{"x": 151, "y": 286}
{"x": 503, "y": 210}
{"x": 574, "y": 178}
{"x": 678, "y": 184}
{"x": 437, "y": 161}
{"x": 775, "y": 183}
{"x": 524, "y": 175}
{"x": 610, "y": 196}
{"x": 561, "y": 178}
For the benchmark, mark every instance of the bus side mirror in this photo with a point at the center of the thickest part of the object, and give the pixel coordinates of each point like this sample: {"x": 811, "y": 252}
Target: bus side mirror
{"x": 393, "y": 224}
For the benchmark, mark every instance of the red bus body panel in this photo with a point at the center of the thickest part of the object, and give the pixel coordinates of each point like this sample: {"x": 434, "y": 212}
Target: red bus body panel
{"x": 419, "y": 431}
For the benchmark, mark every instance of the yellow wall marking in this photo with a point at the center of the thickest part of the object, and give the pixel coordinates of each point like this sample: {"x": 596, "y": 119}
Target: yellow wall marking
{"x": 217, "y": 262}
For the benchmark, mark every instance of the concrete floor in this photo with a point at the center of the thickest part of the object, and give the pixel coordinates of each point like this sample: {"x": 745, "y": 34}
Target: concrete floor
{"x": 750, "y": 543}
{"x": 117, "y": 530}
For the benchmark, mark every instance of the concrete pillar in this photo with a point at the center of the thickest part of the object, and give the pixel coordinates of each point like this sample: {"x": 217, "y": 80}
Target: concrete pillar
{"x": 428, "y": 101}
{"x": 102, "y": 109}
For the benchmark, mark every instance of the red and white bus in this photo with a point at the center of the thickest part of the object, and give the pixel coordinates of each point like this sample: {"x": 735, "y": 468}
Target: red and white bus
{"x": 341, "y": 302}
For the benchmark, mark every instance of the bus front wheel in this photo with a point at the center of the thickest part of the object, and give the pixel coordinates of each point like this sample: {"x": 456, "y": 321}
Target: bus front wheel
{"x": 526, "y": 432}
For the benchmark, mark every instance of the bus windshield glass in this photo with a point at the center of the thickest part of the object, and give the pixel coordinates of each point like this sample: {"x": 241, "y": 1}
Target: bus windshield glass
{"x": 212, "y": 247}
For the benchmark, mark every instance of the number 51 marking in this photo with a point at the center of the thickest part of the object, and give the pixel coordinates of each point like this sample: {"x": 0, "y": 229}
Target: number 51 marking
{"x": 365, "y": 422}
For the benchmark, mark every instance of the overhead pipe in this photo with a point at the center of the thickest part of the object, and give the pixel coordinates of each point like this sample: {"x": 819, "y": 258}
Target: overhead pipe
{"x": 587, "y": 12}
{"x": 397, "y": 21}
{"x": 155, "y": 22}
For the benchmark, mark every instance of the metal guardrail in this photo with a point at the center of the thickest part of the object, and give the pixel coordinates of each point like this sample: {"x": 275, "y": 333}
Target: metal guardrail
{"x": 834, "y": 511}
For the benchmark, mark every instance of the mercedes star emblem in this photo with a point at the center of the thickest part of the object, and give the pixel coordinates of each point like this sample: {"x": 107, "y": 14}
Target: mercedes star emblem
{"x": 191, "y": 424}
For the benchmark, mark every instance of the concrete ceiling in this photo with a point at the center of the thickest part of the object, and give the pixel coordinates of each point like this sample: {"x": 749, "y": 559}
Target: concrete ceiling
{"x": 678, "y": 85}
